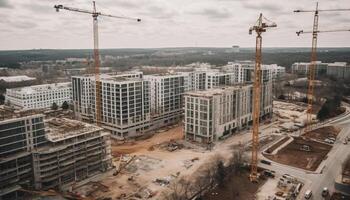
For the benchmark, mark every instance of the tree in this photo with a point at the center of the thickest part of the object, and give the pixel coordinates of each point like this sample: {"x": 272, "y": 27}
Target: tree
{"x": 2, "y": 99}
{"x": 282, "y": 97}
{"x": 54, "y": 106}
{"x": 324, "y": 112}
{"x": 65, "y": 105}
{"x": 220, "y": 174}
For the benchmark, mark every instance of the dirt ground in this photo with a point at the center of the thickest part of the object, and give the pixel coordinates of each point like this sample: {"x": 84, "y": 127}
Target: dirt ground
{"x": 145, "y": 145}
{"x": 293, "y": 156}
{"x": 322, "y": 133}
{"x": 238, "y": 187}
{"x": 276, "y": 145}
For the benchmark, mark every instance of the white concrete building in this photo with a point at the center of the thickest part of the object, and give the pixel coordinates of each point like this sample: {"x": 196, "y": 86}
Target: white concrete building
{"x": 244, "y": 71}
{"x": 39, "y": 96}
{"x": 302, "y": 68}
{"x": 12, "y": 79}
{"x": 166, "y": 98}
{"x": 125, "y": 108}
{"x": 216, "y": 113}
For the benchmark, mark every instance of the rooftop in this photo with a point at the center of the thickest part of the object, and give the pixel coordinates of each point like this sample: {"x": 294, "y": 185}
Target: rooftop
{"x": 40, "y": 88}
{"x": 216, "y": 91}
{"x": 9, "y": 113}
{"x": 16, "y": 78}
{"x": 62, "y": 128}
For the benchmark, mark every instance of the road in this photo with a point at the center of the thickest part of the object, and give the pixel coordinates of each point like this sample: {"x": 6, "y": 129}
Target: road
{"x": 328, "y": 169}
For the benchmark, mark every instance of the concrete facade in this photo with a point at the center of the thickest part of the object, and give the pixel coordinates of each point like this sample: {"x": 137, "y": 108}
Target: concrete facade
{"x": 38, "y": 154}
{"x": 217, "y": 113}
{"x": 39, "y": 96}
{"x": 339, "y": 70}
{"x": 125, "y": 108}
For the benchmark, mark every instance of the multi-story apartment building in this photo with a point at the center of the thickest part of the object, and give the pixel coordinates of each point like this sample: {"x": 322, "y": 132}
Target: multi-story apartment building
{"x": 166, "y": 99}
{"x": 244, "y": 71}
{"x": 74, "y": 151}
{"x": 19, "y": 136}
{"x": 338, "y": 70}
{"x": 39, "y": 96}
{"x": 38, "y": 154}
{"x": 302, "y": 68}
{"x": 125, "y": 109}
{"x": 216, "y": 113}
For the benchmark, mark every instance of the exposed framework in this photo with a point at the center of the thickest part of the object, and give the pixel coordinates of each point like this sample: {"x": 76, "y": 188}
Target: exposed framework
{"x": 95, "y": 15}
{"x": 259, "y": 28}
{"x": 312, "y": 69}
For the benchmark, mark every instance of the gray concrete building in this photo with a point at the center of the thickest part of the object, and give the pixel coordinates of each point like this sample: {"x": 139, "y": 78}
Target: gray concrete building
{"x": 38, "y": 154}
{"x": 339, "y": 70}
{"x": 302, "y": 68}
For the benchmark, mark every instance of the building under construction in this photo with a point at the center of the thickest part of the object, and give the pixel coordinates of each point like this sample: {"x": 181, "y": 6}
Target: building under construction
{"x": 217, "y": 113}
{"x": 40, "y": 155}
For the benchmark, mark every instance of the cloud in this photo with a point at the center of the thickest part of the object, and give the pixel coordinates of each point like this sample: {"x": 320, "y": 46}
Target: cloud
{"x": 5, "y": 4}
{"x": 213, "y": 13}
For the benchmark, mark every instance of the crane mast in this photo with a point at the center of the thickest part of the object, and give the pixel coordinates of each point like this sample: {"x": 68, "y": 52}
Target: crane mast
{"x": 98, "y": 86}
{"x": 259, "y": 28}
{"x": 311, "y": 76}
{"x": 312, "y": 67}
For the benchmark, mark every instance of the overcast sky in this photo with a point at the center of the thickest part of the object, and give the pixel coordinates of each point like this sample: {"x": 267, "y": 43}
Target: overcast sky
{"x": 28, "y": 24}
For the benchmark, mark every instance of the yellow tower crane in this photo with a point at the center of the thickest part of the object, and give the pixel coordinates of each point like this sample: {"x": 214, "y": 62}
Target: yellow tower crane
{"x": 94, "y": 13}
{"x": 260, "y": 27}
{"x": 311, "y": 71}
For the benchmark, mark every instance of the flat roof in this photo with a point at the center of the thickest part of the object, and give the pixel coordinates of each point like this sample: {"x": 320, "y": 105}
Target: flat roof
{"x": 16, "y": 78}
{"x": 62, "y": 128}
{"x": 216, "y": 91}
{"x": 9, "y": 114}
{"x": 38, "y": 88}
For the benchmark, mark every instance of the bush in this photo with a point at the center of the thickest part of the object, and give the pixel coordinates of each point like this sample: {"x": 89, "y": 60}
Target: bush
{"x": 54, "y": 106}
{"x": 65, "y": 105}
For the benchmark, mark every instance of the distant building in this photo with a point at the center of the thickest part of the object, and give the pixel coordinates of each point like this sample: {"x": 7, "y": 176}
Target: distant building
{"x": 234, "y": 49}
{"x": 13, "y": 79}
{"x": 244, "y": 71}
{"x": 39, "y": 96}
{"x": 339, "y": 70}
{"x": 41, "y": 155}
{"x": 216, "y": 113}
{"x": 302, "y": 68}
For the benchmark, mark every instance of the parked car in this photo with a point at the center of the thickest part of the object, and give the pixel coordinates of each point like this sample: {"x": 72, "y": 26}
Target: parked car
{"x": 265, "y": 162}
{"x": 308, "y": 194}
{"x": 325, "y": 192}
{"x": 345, "y": 141}
{"x": 269, "y": 173}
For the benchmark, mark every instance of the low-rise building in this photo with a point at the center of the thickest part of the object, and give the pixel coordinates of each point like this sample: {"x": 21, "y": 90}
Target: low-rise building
{"x": 39, "y": 96}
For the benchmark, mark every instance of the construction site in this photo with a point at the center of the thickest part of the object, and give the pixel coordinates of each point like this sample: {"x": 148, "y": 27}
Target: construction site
{"x": 210, "y": 133}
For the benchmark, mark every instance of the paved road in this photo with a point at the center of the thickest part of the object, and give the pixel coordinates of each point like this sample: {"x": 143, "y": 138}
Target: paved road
{"x": 330, "y": 168}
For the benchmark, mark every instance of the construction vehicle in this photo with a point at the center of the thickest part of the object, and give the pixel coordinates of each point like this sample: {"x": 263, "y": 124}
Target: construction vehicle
{"x": 311, "y": 75}
{"x": 95, "y": 14}
{"x": 260, "y": 27}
